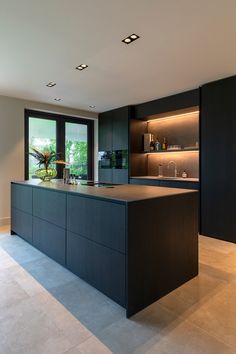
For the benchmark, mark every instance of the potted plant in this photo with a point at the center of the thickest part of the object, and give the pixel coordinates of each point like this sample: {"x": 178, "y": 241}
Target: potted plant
{"x": 46, "y": 158}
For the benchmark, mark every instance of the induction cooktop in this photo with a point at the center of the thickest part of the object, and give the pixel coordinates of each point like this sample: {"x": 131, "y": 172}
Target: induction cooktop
{"x": 99, "y": 184}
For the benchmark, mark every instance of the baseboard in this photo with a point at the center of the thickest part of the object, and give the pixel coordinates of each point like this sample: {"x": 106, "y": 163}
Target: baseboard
{"x": 5, "y": 221}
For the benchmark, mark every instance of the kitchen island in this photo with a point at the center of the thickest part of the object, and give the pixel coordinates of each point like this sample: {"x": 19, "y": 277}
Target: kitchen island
{"x": 133, "y": 243}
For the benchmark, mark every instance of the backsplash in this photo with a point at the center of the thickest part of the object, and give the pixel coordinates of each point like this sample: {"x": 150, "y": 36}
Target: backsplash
{"x": 185, "y": 161}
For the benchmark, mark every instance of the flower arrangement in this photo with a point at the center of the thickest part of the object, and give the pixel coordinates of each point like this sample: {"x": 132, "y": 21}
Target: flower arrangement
{"x": 46, "y": 158}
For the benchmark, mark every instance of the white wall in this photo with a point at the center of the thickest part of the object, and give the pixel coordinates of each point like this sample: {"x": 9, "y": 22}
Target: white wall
{"x": 12, "y": 143}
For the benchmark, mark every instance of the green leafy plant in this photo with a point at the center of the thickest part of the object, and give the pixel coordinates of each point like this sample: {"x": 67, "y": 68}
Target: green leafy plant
{"x": 47, "y": 158}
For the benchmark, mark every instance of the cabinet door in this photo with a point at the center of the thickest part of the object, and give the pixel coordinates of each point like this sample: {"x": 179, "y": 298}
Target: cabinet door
{"x": 105, "y": 175}
{"x": 120, "y": 176}
{"x": 218, "y": 152}
{"x": 120, "y": 128}
{"x": 105, "y": 132}
{"x": 100, "y": 266}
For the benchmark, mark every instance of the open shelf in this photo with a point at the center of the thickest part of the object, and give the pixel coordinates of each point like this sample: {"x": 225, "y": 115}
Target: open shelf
{"x": 166, "y": 151}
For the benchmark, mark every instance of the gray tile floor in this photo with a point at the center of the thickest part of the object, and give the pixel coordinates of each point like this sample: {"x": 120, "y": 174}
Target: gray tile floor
{"x": 44, "y": 308}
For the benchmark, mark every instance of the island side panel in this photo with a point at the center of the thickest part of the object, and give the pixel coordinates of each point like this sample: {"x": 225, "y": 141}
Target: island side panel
{"x": 162, "y": 247}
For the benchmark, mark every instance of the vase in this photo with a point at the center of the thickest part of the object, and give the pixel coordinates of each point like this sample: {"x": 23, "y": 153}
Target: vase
{"x": 46, "y": 174}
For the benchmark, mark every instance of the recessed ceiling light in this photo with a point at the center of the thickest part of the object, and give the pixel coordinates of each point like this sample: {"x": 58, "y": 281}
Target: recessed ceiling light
{"x": 51, "y": 84}
{"x": 130, "y": 38}
{"x": 81, "y": 66}
{"x": 92, "y": 106}
{"x": 57, "y": 99}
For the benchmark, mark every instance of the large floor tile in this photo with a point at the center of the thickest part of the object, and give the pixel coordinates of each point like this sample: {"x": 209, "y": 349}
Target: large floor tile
{"x": 90, "y": 346}
{"x": 184, "y": 338}
{"x": 218, "y": 316}
{"x": 91, "y": 307}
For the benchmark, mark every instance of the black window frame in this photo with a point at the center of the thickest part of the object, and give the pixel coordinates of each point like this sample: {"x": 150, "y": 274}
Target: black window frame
{"x": 61, "y": 120}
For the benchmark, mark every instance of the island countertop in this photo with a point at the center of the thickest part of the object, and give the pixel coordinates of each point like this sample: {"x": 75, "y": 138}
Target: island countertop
{"x": 123, "y": 192}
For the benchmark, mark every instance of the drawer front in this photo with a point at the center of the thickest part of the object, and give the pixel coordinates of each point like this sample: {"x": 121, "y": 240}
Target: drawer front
{"x": 21, "y": 224}
{"x": 50, "y": 206}
{"x": 100, "y": 221}
{"x": 100, "y": 266}
{"x": 49, "y": 239}
{"x": 180, "y": 184}
{"x": 145, "y": 182}
{"x": 21, "y": 197}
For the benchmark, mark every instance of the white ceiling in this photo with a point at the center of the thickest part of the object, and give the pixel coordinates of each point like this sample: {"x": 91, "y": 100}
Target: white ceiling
{"x": 183, "y": 44}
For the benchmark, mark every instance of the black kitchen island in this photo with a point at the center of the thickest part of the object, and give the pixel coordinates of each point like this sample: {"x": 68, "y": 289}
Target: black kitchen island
{"x": 133, "y": 243}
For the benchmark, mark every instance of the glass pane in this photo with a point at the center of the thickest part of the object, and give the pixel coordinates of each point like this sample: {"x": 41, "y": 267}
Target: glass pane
{"x": 42, "y": 136}
{"x": 76, "y": 148}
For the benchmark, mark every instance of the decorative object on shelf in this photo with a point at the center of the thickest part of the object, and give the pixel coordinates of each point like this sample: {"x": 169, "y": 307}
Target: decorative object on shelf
{"x": 46, "y": 158}
{"x": 174, "y": 147}
{"x": 160, "y": 171}
{"x": 184, "y": 174}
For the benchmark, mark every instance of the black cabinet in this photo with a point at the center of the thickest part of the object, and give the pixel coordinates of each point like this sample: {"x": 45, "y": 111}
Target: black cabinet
{"x": 218, "y": 151}
{"x": 113, "y": 129}
{"x": 113, "y": 135}
{"x": 105, "y": 132}
{"x": 165, "y": 183}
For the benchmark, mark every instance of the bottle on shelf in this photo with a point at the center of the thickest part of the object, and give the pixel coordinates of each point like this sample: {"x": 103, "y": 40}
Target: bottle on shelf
{"x": 164, "y": 144}
{"x": 152, "y": 145}
{"x": 184, "y": 174}
{"x": 157, "y": 145}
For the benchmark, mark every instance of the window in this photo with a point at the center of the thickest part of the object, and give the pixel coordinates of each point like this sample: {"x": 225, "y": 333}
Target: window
{"x": 71, "y": 137}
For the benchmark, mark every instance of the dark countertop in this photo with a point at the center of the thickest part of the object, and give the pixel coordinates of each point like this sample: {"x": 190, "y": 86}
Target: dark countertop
{"x": 168, "y": 178}
{"x": 123, "y": 193}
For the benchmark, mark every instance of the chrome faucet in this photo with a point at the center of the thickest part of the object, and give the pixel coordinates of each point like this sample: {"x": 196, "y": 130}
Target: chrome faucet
{"x": 175, "y": 167}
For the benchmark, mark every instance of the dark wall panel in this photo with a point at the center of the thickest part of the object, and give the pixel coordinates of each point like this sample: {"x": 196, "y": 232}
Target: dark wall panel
{"x": 218, "y": 151}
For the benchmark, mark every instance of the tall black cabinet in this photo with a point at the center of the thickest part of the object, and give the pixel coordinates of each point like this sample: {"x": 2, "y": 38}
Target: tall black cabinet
{"x": 218, "y": 159}
{"x": 113, "y": 136}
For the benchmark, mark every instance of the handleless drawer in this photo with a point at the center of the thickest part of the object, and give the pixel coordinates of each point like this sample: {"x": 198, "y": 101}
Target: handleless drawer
{"x": 21, "y": 224}
{"x": 100, "y": 266}
{"x": 21, "y": 197}
{"x": 50, "y": 239}
{"x": 50, "y": 206}
{"x": 100, "y": 221}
